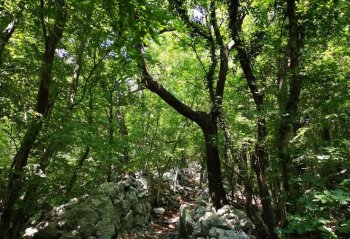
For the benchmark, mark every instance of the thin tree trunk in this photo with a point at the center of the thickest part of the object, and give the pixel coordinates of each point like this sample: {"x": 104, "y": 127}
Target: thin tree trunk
{"x": 80, "y": 164}
{"x": 290, "y": 105}
{"x": 260, "y": 164}
{"x": 123, "y": 129}
{"x": 111, "y": 165}
{"x": 6, "y": 34}
{"x": 259, "y": 160}
{"x": 50, "y": 150}
{"x": 10, "y": 28}
{"x": 76, "y": 74}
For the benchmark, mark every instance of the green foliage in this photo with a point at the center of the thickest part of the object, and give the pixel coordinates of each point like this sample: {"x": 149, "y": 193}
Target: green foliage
{"x": 325, "y": 212}
{"x": 114, "y": 115}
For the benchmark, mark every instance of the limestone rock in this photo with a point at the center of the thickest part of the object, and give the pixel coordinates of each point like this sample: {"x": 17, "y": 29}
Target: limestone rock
{"x": 198, "y": 221}
{"x": 221, "y": 233}
{"x": 115, "y": 207}
{"x": 158, "y": 210}
{"x": 187, "y": 223}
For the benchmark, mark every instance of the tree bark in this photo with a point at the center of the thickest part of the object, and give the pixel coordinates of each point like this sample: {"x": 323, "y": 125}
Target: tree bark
{"x": 216, "y": 190}
{"x": 6, "y": 34}
{"x": 260, "y": 165}
{"x": 259, "y": 160}
{"x": 289, "y": 106}
{"x": 207, "y": 121}
{"x": 15, "y": 181}
{"x": 76, "y": 74}
{"x": 123, "y": 129}
{"x": 10, "y": 28}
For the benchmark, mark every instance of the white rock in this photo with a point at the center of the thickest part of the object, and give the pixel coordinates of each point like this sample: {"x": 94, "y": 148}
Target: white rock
{"x": 158, "y": 210}
{"x": 29, "y": 232}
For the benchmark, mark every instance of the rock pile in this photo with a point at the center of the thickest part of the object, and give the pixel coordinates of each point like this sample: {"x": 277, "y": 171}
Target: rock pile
{"x": 166, "y": 187}
{"x": 201, "y": 222}
{"x": 115, "y": 208}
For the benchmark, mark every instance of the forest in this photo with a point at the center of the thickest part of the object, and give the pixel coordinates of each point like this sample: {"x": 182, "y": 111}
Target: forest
{"x": 226, "y": 107}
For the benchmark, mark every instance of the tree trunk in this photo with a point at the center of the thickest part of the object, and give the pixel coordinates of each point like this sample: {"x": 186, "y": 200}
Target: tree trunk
{"x": 216, "y": 189}
{"x": 20, "y": 216}
{"x": 49, "y": 152}
{"x": 259, "y": 160}
{"x": 123, "y": 129}
{"x": 208, "y": 124}
{"x": 15, "y": 181}
{"x": 6, "y": 34}
{"x": 10, "y": 28}
{"x": 80, "y": 164}
{"x": 260, "y": 164}
{"x": 325, "y": 134}
{"x": 290, "y": 105}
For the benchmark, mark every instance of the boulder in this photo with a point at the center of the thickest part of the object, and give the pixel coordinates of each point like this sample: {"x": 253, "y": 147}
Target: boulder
{"x": 187, "y": 223}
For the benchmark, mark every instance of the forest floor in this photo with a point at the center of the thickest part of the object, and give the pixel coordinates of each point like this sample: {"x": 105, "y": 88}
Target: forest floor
{"x": 165, "y": 226}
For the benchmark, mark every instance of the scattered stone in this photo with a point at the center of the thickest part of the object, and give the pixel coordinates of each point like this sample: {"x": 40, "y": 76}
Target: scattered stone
{"x": 158, "y": 210}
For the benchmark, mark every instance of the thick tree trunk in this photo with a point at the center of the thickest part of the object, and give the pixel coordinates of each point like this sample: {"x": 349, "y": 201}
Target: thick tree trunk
{"x": 216, "y": 189}
{"x": 208, "y": 124}
{"x": 207, "y": 121}
{"x": 20, "y": 215}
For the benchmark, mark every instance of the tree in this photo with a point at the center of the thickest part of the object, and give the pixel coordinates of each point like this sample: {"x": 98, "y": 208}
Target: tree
{"x": 208, "y": 122}
{"x": 258, "y": 89}
{"x": 289, "y": 100}
{"x": 52, "y": 36}
{"x": 259, "y": 158}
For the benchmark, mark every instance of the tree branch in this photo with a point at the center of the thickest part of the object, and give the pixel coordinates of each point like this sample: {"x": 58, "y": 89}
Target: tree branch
{"x": 182, "y": 12}
{"x": 223, "y": 68}
{"x": 243, "y": 55}
{"x": 169, "y": 98}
